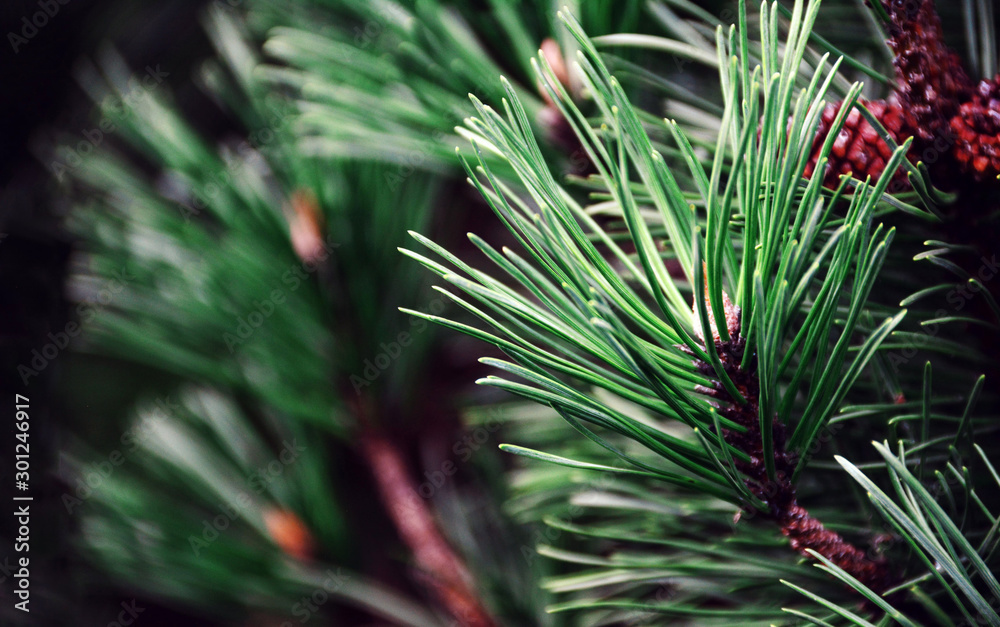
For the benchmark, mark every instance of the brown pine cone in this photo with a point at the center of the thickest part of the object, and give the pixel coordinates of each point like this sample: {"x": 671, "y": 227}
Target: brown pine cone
{"x": 977, "y": 132}
{"x": 931, "y": 103}
{"x": 931, "y": 82}
{"x": 858, "y": 149}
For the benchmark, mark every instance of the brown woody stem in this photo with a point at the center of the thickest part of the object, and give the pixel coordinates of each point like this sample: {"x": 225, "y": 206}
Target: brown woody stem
{"x": 802, "y": 530}
{"x": 444, "y": 573}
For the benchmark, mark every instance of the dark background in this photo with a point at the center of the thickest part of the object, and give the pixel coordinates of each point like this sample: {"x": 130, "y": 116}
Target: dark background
{"x": 43, "y": 106}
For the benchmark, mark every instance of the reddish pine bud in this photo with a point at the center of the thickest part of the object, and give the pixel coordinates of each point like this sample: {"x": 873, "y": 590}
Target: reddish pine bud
{"x": 289, "y": 533}
{"x": 305, "y": 226}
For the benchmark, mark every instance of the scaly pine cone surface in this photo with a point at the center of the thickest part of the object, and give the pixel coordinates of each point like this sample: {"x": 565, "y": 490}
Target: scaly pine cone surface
{"x": 955, "y": 125}
{"x": 976, "y": 130}
{"x": 931, "y": 83}
{"x": 858, "y": 149}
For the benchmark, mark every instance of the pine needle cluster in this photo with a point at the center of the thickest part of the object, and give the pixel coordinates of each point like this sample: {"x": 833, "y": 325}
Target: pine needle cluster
{"x": 755, "y": 388}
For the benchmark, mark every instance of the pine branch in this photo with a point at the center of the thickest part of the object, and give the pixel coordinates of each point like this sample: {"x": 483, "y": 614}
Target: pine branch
{"x": 444, "y": 572}
{"x": 258, "y": 230}
{"x": 805, "y": 533}
{"x": 185, "y": 501}
{"x": 609, "y": 312}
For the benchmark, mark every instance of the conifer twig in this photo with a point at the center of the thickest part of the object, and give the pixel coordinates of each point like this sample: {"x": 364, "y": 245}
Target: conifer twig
{"x": 803, "y": 531}
{"x": 444, "y": 572}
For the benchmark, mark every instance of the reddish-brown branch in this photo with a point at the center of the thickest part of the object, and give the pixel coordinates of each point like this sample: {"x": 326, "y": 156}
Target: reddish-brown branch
{"x": 802, "y": 530}
{"x": 444, "y": 572}
{"x": 805, "y": 532}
